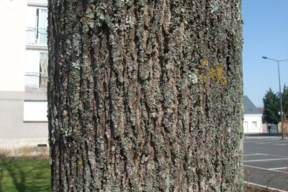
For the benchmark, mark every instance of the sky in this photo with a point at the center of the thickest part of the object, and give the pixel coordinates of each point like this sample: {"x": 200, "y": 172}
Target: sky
{"x": 265, "y": 33}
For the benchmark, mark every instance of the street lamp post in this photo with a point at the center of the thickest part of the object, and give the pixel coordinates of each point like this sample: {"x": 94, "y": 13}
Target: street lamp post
{"x": 281, "y": 110}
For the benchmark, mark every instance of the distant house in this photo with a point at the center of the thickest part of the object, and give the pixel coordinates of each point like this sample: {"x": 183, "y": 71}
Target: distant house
{"x": 252, "y": 117}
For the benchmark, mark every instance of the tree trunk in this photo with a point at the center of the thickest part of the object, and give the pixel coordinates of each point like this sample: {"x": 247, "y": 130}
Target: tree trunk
{"x": 145, "y": 95}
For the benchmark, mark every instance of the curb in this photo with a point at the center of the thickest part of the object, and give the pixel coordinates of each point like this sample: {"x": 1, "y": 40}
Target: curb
{"x": 253, "y": 137}
{"x": 264, "y": 186}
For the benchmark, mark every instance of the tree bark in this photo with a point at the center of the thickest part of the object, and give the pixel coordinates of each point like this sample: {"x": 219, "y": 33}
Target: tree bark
{"x": 145, "y": 95}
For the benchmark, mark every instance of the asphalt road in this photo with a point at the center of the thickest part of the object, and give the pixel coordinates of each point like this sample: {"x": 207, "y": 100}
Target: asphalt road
{"x": 266, "y": 162}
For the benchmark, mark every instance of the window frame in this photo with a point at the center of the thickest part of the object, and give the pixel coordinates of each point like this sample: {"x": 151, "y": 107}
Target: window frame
{"x": 254, "y": 124}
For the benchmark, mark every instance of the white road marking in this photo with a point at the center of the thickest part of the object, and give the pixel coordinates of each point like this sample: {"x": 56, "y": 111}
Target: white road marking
{"x": 278, "y": 141}
{"x": 267, "y": 155}
{"x": 278, "y": 168}
{"x": 264, "y": 186}
{"x": 269, "y": 140}
{"x": 259, "y": 160}
{"x": 246, "y": 153}
{"x": 260, "y": 168}
{"x": 265, "y": 169}
{"x": 281, "y": 144}
{"x": 252, "y": 154}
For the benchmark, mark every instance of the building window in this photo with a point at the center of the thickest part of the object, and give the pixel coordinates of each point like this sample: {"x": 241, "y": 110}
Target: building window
{"x": 43, "y": 69}
{"x": 36, "y": 33}
{"x": 36, "y": 70}
{"x": 35, "y": 111}
{"x": 254, "y": 123}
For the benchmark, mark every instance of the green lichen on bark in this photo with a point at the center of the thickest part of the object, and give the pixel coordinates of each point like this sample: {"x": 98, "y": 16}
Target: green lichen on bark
{"x": 132, "y": 106}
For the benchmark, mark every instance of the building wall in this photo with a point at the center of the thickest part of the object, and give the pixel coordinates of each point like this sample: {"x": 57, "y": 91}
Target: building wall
{"x": 12, "y": 47}
{"x": 31, "y": 17}
{"x": 15, "y": 131}
{"x": 32, "y": 59}
{"x": 264, "y": 128}
{"x": 20, "y": 125}
{"x": 249, "y": 119}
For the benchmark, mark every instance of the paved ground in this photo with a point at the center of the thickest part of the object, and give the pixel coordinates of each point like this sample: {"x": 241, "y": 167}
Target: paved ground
{"x": 266, "y": 162}
{"x": 263, "y": 135}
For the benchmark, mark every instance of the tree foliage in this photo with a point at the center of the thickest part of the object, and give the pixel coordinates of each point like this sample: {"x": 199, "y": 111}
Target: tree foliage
{"x": 285, "y": 100}
{"x": 271, "y": 107}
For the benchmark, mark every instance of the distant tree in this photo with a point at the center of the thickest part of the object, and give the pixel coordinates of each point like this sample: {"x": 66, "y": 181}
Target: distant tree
{"x": 285, "y": 100}
{"x": 271, "y": 107}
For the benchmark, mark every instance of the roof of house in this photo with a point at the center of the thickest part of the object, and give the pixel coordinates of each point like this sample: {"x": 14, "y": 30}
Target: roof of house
{"x": 261, "y": 109}
{"x": 249, "y": 107}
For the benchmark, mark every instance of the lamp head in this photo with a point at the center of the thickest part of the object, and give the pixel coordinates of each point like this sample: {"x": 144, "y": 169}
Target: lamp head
{"x": 264, "y": 57}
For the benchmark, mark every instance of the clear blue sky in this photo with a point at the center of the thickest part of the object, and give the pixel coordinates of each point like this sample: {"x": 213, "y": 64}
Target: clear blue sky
{"x": 265, "y": 33}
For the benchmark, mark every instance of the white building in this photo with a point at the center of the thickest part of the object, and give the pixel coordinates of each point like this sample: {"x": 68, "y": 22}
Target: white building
{"x": 23, "y": 73}
{"x": 252, "y": 117}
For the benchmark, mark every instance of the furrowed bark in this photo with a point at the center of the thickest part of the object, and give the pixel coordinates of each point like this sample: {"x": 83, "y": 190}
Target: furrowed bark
{"x": 145, "y": 95}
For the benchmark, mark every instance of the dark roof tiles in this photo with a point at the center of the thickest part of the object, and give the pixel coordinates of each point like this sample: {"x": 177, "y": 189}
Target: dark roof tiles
{"x": 249, "y": 107}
